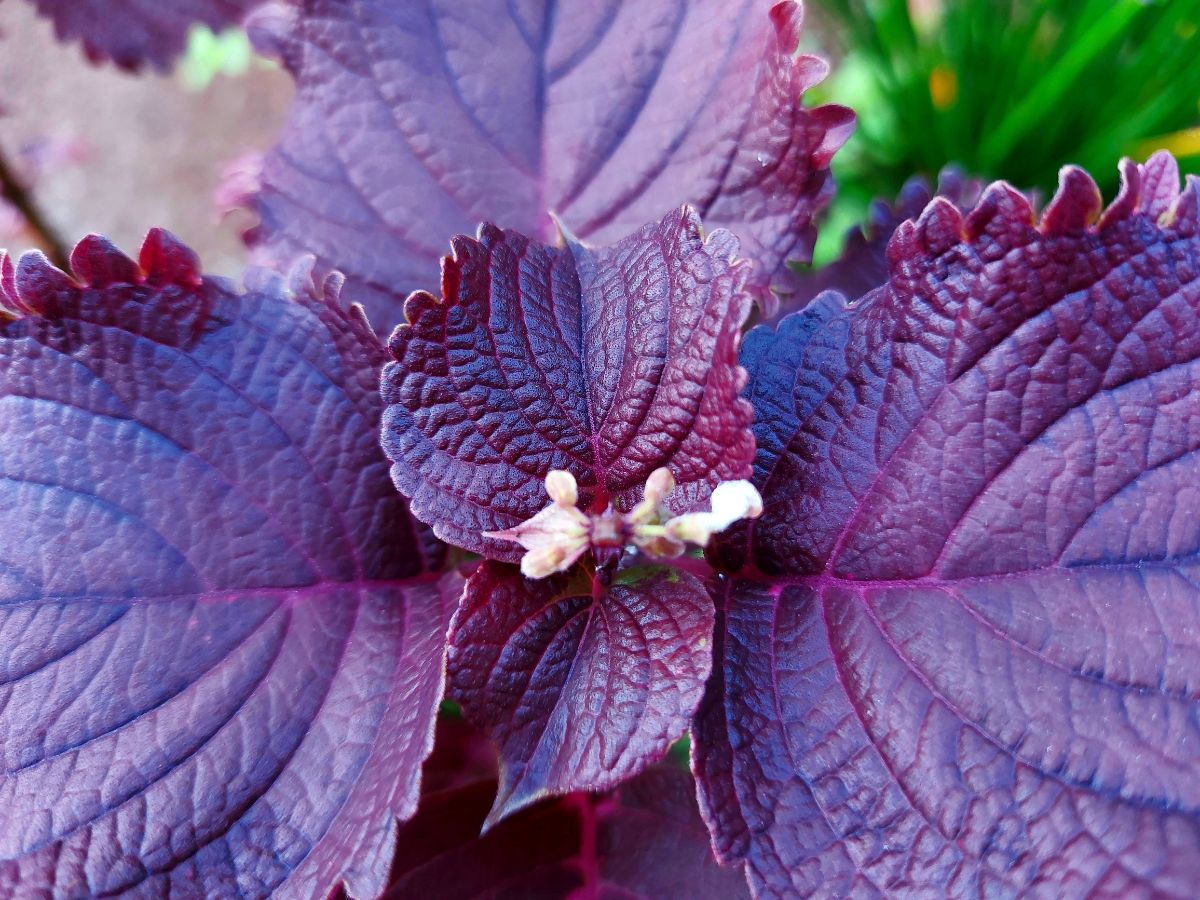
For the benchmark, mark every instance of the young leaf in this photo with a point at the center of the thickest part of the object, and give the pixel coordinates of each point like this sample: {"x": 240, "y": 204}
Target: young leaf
{"x": 417, "y": 121}
{"x": 974, "y": 667}
{"x": 644, "y": 840}
{"x": 134, "y": 32}
{"x": 221, "y": 638}
{"x": 579, "y": 684}
{"x": 606, "y": 363}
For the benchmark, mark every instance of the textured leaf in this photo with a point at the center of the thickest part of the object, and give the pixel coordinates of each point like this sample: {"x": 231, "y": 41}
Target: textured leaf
{"x": 646, "y": 840}
{"x": 863, "y": 264}
{"x": 976, "y": 670}
{"x": 580, "y": 685}
{"x": 220, "y": 655}
{"x": 416, "y": 121}
{"x": 607, "y": 363}
{"x": 134, "y": 32}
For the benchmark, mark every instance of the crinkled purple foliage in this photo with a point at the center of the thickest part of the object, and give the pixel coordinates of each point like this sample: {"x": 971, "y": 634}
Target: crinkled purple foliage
{"x": 581, "y": 684}
{"x": 415, "y": 121}
{"x": 964, "y": 655}
{"x": 959, "y": 653}
{"x": 221, "y": 635}
{"x": 862, "y": 265}
{"x": 134, "y": 32}
{"x": 609, "y": 363}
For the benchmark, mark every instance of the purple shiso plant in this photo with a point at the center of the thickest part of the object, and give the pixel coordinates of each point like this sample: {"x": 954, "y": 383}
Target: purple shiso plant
{"x": 914, "y": 560}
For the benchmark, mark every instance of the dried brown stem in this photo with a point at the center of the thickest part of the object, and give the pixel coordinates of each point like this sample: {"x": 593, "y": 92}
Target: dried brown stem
{"x": 18, "y": 195}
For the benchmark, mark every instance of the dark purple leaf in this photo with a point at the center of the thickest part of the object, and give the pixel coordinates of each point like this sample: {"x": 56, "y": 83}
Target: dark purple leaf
{"x": 976, "y": 670}
{"x": 863, "y": 263}
{"x": 607, "y": 363}
{"x": 580, "y": 685}
{"x": 646, "y": 840}
{"x": 133, "y": 32}
{"x": 462, "y": 755}
{"x": 416, "y": 121}
{"x": 221, "y": 639}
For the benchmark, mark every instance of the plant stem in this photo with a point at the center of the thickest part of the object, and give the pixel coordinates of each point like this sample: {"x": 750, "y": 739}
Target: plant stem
{"x": 16, "y": 193}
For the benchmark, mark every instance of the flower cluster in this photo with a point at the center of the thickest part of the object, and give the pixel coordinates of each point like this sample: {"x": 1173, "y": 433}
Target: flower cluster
{"x": 561, "y": 533}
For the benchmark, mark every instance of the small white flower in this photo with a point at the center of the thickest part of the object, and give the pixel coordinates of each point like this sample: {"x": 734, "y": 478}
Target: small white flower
{"x": 731, "y": 501}
{"x": 660, "y": 483}
{"x": 558, "y": 535}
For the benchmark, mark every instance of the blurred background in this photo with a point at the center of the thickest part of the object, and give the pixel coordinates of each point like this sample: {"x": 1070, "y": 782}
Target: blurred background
{"x": 95, "y": 148}
{"x": 1004, "y": 88}
{"x": 1007, "y": 89}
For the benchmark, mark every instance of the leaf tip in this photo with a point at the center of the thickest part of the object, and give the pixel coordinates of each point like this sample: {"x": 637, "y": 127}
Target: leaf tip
{"x": 10, "y": 304}
{"x": 1076, "y": 204}
{"x": 940, "y": 226}
{"x": 38, "y": 281}
{"x": 927, "y": 236}
{"x": 1160, "y": 183}
{"x": 97, "y": 262}
{"x": 838, "y": 124}
{"x": 164, "y": 259}
{"x": 788, "y": 19}
{"x": 1001, "y": 208}
{"x": 565, "y": 236}
{"x": 510, "y": 800}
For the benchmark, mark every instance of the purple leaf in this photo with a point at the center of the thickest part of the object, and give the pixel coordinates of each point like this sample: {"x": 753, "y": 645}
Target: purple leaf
{"x": 863, "y": 263}
{"x": 975, "y": 669}
{"x": 607, "y": 363}
{"x": 645, "y": 840}
{"x": 221, "y": 640}
{"x": 416, "y": 121}
{"x": 580, "y": 685}
{"x": 133, "y": 32}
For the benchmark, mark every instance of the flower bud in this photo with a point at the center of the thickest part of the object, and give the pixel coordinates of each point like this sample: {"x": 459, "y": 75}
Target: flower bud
{"x": 560, "y": 485}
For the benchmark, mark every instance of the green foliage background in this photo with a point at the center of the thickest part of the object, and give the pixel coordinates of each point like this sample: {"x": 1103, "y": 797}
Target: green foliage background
{"x": 1007, "y": 89}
